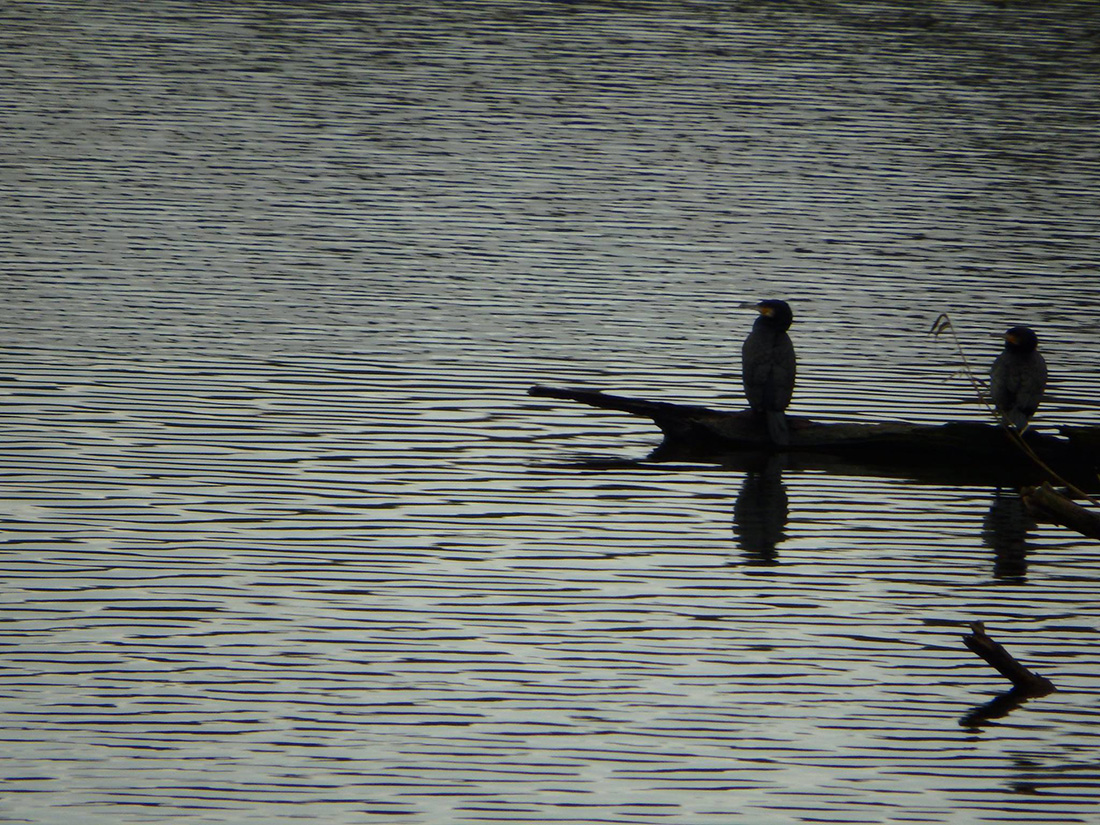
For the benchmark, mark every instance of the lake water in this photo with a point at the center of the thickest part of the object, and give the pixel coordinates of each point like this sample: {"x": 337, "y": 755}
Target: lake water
{"x": 285, "y": 538}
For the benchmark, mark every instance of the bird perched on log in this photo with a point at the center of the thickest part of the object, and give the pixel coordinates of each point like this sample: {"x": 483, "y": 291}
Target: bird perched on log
{"x": 1018, "y": 377}
{"x": 768, "y": 367}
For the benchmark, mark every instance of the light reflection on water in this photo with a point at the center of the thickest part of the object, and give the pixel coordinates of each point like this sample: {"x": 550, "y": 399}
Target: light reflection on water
{"x": 285, "y": 536}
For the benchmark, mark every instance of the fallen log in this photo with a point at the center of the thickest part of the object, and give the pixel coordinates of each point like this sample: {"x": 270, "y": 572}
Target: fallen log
{"x": 1023, "y": 680}
{"x": 1044, "y": 503}
{"x": 696, "y": 432}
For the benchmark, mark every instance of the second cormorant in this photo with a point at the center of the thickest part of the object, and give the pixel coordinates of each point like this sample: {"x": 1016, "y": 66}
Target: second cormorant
{"x": 1019, "y": 377}
{"x": 768, "y": 367}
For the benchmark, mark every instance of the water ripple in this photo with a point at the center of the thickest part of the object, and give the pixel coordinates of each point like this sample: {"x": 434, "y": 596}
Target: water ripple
{"x": 285, "y": 538}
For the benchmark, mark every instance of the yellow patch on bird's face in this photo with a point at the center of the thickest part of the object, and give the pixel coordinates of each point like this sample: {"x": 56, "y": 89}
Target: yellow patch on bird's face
{"x": 1012, "y": 339}
{"x": 768, "y": 311}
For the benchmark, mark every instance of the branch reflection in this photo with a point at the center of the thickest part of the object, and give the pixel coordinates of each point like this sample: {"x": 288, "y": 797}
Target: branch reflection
{"x": 1000, "y": 705}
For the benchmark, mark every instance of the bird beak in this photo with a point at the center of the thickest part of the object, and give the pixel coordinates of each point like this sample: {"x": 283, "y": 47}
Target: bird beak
{"x": 767, "y": 311}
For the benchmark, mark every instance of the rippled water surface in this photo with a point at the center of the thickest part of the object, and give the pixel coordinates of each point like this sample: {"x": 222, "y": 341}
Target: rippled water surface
{"x": 285, "y": 538}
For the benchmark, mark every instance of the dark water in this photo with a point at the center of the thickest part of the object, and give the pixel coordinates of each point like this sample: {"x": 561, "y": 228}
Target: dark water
{"x": 284, "y": 536}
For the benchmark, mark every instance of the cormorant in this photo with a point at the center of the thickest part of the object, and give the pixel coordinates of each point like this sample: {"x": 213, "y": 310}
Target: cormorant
{"x": 768, "y": 366}
{"x": 1019, "y": 376}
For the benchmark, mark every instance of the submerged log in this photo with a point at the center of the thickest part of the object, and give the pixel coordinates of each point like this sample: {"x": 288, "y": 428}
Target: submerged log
{"x": 1045, "y": 504}
{"x": 696, "y": 432}
{"x": 1031, "y": 684}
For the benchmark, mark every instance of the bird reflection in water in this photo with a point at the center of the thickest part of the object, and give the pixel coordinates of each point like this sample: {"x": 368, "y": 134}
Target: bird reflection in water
{"x": 1004, "y": 530}
{"x": 760, "y": 513}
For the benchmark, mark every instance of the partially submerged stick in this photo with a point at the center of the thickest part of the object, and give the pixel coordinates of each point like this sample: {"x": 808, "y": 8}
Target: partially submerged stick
{"x": 1022, "y": 679}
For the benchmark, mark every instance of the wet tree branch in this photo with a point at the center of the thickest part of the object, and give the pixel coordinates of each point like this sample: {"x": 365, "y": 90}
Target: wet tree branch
{"x": 1046, "y": 504}
{"x": 1023, "y": 680}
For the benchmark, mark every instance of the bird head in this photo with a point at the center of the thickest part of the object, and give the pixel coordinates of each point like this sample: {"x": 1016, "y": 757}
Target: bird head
{"x": 1021, "y": 339}
{"x": 778, "y": 313}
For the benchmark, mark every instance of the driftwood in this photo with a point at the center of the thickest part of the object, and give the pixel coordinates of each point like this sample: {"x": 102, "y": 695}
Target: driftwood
{"x": 1025, "y": 684}
{"x": 1023, "y": 680}
{"x": 982, "y": 451}
{"x": 1045, "y": 504}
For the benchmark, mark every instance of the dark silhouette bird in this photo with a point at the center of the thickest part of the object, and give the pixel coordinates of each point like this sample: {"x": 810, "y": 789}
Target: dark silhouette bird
{"x": 768, "y": 366}
{"x": 1018, "y": 377}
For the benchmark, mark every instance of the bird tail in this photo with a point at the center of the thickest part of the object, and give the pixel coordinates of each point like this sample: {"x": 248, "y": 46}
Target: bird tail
{"x": 777, "y": 427}
{"x": 1018, "y": 419}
